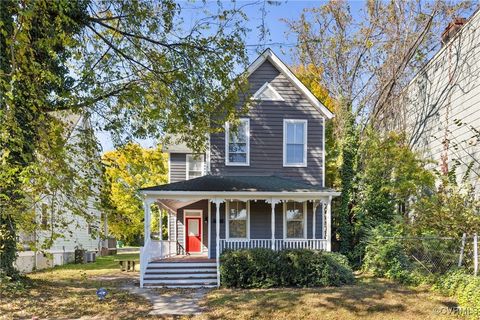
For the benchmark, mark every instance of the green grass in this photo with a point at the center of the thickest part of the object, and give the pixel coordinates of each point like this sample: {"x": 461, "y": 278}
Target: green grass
{"x": 369, "y": 298}
{"x": 69, "y": 291}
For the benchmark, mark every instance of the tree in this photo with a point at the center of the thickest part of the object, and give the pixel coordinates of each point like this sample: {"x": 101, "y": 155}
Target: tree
{"x": 130, "y": 67}
{"x": 310, "y": 76}
{"x": 127, "y": 170}
{"x": 365, "y": 63}
{"x": 389, "y": 177}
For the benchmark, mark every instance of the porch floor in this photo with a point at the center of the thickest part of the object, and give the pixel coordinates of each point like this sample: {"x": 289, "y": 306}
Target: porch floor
{"x": 187, "y": 258}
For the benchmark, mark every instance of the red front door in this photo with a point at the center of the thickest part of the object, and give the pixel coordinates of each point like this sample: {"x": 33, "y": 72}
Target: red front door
{"x": 194, "y": 231}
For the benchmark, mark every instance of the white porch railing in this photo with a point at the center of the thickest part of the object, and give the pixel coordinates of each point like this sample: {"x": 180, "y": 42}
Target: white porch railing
{"x": 155, "y": 250}
{"x": 280, "y": 244}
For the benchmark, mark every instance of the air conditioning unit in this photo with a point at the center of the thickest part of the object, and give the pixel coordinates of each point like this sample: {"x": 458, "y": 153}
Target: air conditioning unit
{"x": 90, "y": 256}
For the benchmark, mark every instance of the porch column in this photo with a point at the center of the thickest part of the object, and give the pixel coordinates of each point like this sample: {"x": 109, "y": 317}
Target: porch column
{"x": 147, "y": 219}
{"x": 169, "y": 236}
{"x": 160, "y": 219}
{"x": 329, "y": 224}
{"x": 217, "y": 233}
{"x": 314, "y": 219}
{"x": 273, "y": 202}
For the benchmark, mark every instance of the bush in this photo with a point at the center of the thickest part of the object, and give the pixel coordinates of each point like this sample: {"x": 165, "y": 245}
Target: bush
{"x": 265, "y": 268}
{"x": 464, "y": 287}
{"x": 385, "y": 255}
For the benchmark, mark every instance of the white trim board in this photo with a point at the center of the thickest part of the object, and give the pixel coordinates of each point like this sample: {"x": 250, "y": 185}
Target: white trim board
{"x": 249, "y": 195}
{"x": 187, "y": 167}
{"x": 266, "y": 86}
{"x": 305, "y": 142}
{"x": 227, "y": 220}
{"x": 282, "y": 67}
{"x": 227, "y": 140}
{"x": 304, "y": 221}
{"x": 185, "y": 216}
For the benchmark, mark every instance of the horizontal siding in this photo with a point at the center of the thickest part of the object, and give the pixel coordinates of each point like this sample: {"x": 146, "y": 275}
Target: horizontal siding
{"x": 266, "y": 132}
{"x": 199, "y": 205}
{"x": 260, "y": 222}
{"x": 448, "y": 89}
{"x": 72, "y": 228}
{"x": 178, "y": 167}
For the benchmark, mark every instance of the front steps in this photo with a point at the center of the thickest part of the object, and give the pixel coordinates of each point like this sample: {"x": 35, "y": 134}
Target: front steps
{"x": 185, "y": 274}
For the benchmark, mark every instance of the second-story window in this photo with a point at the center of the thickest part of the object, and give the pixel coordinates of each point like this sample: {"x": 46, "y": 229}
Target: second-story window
{"x": 294, "y": 143}
{"x": 237, "y": 144}
{"x": 195, "y": 166}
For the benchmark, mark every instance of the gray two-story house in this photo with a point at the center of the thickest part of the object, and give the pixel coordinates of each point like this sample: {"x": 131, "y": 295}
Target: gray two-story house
{"x": 260, "y": 185}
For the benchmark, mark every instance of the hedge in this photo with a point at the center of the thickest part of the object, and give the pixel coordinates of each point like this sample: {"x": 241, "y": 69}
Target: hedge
{"x": 265, "y": 268}
{"x": 465, "y": 288}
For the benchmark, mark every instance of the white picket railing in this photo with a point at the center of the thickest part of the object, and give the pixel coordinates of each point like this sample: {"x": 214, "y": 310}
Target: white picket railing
{"x": 155, "y": 250}
{"x": 313, "y": 244}
{"x": 280, "y": 244}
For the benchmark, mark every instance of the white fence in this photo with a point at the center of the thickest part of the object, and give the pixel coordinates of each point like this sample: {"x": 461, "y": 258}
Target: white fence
{"x": 279, "y": 244}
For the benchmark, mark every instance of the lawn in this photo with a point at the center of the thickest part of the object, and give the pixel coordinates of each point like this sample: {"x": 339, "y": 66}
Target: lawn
{"x": 369, "y": 298}
{"x": 68, "y": 292}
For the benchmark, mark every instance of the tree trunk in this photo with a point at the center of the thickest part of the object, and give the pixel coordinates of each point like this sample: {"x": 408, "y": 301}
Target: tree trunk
{"x": 347, "y": 175}
{"x": 7, "y": 223}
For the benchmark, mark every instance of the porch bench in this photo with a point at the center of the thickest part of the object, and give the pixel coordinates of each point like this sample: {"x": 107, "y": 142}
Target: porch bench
{"x": 127, "y": 264}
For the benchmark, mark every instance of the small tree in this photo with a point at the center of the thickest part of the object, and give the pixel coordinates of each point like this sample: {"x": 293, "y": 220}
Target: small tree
{"x": 127, "y": 170}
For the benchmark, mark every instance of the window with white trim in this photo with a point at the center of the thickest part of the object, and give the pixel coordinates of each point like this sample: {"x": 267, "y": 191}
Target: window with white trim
{"x": 237, "y": 219}
{"x": 237, "y": 144}
{"x": 195, "y": 166}
{"x": 295, "y": 217}
{"x": 294, "y": 143}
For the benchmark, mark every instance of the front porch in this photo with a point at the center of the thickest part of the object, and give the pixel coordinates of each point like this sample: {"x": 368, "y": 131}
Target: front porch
{"x": 247, "y": 218}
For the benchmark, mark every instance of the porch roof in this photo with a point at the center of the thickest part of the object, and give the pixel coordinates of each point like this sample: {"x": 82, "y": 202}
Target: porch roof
{"x": 243, "y": 184}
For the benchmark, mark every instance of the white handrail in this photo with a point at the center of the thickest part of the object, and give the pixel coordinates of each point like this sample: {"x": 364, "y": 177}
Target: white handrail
{"x": 280, "y": 244}
{"x": 155, "y": 250}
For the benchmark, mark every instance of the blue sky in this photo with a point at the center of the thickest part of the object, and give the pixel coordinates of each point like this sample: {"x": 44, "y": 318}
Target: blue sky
{"x": 278, "y": 39}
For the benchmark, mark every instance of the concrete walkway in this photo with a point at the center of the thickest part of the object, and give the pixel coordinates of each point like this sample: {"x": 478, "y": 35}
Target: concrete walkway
{"x": 172, "y": 302}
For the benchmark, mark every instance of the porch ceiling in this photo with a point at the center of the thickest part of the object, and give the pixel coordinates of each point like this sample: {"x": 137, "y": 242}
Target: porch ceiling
{"x": 174, "y": 205}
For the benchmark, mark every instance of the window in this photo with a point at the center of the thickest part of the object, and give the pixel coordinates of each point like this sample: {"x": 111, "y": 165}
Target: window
{"x": 195, "y": 166}
{"x": 237, "y": 219}
{"x": 294, "y": 218}
{"x": 237, "y": 144}
{"x": 44, "y": 216}
{"x": 294, "y": 143}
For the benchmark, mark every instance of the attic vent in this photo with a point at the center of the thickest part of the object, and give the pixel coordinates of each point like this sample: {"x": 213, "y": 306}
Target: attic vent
{"x": 267, "y": 92}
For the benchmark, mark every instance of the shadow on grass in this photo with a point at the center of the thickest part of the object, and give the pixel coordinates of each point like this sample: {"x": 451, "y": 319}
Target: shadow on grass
{"x": 69, "y": 291}
{"x": 368, "y": 297}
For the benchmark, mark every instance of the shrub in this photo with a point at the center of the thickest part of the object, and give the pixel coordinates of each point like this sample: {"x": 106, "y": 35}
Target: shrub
{"x": 464, "y": 287}
{"x": 265, "y": 268}
{"x": 385, "y": 255}
{"x": 255, "y": 268}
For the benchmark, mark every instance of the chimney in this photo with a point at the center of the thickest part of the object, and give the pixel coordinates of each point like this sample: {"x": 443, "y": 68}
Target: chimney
{"x": 452, "y": 29}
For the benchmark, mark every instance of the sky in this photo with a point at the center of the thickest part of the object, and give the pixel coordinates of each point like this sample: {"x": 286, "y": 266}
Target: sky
{"x": 279, "y": 40}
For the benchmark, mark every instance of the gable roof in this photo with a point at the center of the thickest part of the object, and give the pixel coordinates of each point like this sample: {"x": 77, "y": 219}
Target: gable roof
{"x": 282, "y": 67}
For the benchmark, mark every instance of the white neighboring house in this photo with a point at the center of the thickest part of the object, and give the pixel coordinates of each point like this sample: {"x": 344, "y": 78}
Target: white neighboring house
{"x": 441, "y": 114}
{"x": 78, "y": 233}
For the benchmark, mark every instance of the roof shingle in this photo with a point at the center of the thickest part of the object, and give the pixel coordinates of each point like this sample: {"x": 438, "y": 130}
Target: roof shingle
{"x": 239, "y": 183}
